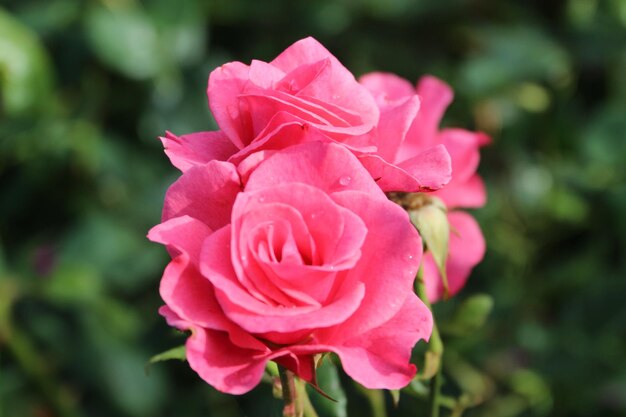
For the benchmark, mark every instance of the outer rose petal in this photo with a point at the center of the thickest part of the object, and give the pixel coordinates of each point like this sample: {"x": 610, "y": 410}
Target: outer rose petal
{"x": 470, "y": 194}
{"x": 380, "y": 357}
{"x": 463, "y": 147}
{"x": 234, "y": 368}
{"x": 225, "y": 85}
{"x": 182, "y": 282}
{"x": 226, "y": 366}
{"x": 197, "y": 148}
{"x": 467, "y": 248}
{"x": 395, "y": 121}
{"x": 429, "y": 170}
{"x": 204, "y": 192}
{"x": 435, "y": 96}
{"x": 386, "y": 87}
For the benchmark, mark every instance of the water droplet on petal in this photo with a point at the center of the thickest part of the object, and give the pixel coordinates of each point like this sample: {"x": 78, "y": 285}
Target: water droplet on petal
{"x": 261, "y": 199}
{"x": 345, "y": 180}
{"x": 335, "y": 97}
{"x": 410, "y": 257}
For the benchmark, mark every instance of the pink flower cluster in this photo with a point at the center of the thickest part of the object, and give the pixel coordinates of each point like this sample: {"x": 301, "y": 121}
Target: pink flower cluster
{"x": 284, "y": 244}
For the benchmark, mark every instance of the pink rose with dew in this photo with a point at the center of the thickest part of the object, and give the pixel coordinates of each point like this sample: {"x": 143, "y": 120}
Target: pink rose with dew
{"x": 306, "y": 95}
{"x": 309, "y": 257}
{"x": 418, "y": 132}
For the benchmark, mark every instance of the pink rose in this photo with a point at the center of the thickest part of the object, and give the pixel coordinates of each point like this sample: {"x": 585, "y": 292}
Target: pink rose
{"x": 309, "y": 257}
{"x": 465, "y": 190}
{"x": 306, "y": 95}
{"x": 252, "y": 104}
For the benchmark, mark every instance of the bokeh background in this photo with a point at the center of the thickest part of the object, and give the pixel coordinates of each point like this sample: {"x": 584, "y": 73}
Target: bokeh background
{"x": 87, "y": 86}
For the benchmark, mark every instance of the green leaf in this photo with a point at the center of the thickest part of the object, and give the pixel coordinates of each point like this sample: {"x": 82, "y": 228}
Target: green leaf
{"x": 179, "y": 352}
{"x": 121, "y": 375}
{"x": 73, "y": 283}
{"x": 125, "y": 39}
{"x": 534, "y": 388}
{"x": 328, "y": 380}
{"x": 470, "y": 315}
{"x": 432, "y": 222}
{"x": 25, "y": 70}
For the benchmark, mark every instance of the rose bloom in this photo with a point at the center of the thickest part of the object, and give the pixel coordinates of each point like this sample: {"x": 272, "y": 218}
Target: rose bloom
{"x": 310, "y": 257}
{"x": 420, "y": 131}
{"x": 303, "y": 95}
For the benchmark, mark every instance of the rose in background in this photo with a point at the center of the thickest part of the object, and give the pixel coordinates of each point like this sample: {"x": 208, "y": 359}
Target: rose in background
{"x": 305, "y": 95}
{"x": 418, "y": 131}
{"x": 310, "y": 257}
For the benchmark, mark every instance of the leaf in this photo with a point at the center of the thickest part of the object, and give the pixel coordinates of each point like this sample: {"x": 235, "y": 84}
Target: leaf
{"x": 179, "y": 352}
{"x": 120, "y": 375}
{"x": 470, "y": 316}
{"x": 328, "y": 380}
{"x": 25, "y": 70}
{"x": 73, "y": 283}
{"x": 125, "y": 39}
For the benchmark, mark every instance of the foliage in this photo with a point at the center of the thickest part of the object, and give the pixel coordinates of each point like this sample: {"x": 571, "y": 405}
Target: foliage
{"x": 86, "y": 87}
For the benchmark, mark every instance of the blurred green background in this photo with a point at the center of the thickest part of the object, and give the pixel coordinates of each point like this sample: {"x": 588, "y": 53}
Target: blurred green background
{"x": 86, "y": 87}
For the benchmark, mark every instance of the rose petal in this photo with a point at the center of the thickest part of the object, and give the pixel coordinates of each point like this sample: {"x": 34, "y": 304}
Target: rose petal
{"x": 226, "y": 83}
{"x": 379, "y": 358}
{"x": 227, "y": 367}
{"x": 257, "y": 316}
{"x": 470, "y": 194}
{"x": 428, "y": 171}
{"x": 467, "y": 248}
{"x": 337, "y": 122}
{"x": 204, "y": 192}
{"x": 395, "y": 121}
{"x": 435, "y": 96}
{"x": 390, "y": 257}
{"x": 336, "y": 85}
{"x": 197, "y": 148}
{"x": 182, "y": 282}
{"x": 282, "y": 131}
{"x": 387, "y": 87}
{"x": 329, "y": 167}
{"x": 327, "y": 236}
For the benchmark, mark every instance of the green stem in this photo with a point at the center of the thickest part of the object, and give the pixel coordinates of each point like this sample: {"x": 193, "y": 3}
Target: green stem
{"x": 305, "y": 401}
{"x": 435, "y": 345}
{"x": 377, "y": 401}
{"x": 435, "y": 393}
{"x": 289, "y": 392}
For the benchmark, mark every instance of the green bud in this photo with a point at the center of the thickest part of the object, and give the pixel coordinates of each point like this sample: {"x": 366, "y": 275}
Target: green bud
{"x": 432, "y": 223}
